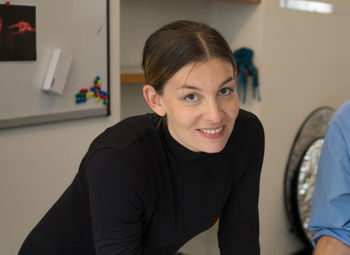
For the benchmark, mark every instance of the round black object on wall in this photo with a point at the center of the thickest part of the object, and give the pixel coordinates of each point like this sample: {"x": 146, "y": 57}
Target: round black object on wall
{"x": 301, "y": 173}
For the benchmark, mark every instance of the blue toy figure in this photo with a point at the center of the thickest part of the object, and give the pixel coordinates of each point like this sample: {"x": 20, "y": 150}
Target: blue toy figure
{"x": 243, "y": 57}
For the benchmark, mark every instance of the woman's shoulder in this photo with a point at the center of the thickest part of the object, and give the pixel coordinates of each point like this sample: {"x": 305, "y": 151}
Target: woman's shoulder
{"x": 248, "y": 122}
{"x": 121, "y": 152}
{"x": 248, "y": 133}
{"x": 248, "y": 137}
{"x": 126, "y": 132}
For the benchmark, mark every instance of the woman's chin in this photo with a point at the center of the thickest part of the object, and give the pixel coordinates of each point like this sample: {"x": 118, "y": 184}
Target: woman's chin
{"x": 212, "y": 148}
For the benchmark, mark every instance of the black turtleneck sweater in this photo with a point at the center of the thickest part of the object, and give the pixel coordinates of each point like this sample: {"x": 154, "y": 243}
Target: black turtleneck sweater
{"x": 139, "y": 192}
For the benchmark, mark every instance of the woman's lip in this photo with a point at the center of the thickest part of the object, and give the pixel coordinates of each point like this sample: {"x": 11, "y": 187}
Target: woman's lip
{"x": 215, "y": 135}
{"x": 211, "y": 128}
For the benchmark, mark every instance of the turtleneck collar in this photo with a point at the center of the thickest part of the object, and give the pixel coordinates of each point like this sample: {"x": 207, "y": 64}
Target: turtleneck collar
{"x": 181, "y": 152}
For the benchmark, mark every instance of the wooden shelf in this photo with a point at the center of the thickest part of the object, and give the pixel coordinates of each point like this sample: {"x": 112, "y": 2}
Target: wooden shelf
{"x": 131, "y": 74}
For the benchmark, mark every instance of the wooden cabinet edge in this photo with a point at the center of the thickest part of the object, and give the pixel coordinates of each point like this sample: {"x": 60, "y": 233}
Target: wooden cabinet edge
{"x": 131, "y": 74}
{"x": 128, "y": 78}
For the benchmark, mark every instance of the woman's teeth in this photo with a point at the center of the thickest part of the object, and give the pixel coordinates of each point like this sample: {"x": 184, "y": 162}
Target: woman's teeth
{"x": 211, "y": 131}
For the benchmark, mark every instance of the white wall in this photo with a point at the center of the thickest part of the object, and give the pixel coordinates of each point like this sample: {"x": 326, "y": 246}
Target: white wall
{"x": 39, "y": 162}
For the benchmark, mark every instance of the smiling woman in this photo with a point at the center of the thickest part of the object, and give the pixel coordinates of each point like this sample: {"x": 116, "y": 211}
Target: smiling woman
{"x": 199, "y": 101}
{"x": 150, "y": 183}
{"x": 200, "y": 116}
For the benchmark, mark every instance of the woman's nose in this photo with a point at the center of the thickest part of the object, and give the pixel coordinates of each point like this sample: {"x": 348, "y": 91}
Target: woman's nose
{"x": 213, "y": 112}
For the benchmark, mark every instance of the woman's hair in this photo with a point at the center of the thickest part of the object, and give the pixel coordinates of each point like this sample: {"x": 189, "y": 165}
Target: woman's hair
{"x": 177, "y": 44}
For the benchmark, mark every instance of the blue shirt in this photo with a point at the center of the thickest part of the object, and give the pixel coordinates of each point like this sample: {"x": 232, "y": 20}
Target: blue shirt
{"x": 330, "y": 211}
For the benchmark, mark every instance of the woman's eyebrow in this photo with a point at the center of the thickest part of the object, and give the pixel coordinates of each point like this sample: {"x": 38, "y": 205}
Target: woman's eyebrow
{"x": 187, "y": 86}
{"x": 226, "y": 81}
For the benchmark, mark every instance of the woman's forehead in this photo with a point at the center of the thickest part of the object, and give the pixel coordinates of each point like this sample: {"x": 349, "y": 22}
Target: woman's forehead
{"x": 197, "y": 73}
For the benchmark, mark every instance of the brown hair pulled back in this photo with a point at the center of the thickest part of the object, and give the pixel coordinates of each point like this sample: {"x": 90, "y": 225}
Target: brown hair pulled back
{"x": 177, "y": 44}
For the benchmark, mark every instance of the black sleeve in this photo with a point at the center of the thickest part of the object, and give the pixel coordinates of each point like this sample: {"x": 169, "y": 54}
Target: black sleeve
{"x": 117, "y": 205}
{"x": 239, "y": 221}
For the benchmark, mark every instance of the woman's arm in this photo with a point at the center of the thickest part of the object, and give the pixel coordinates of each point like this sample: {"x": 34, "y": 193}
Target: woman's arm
{"x": 116, "y": 198}
{"x": 239, "y": 222}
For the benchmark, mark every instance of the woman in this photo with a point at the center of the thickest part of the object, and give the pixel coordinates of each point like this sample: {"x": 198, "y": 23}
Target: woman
{"x": 150, "y": 183}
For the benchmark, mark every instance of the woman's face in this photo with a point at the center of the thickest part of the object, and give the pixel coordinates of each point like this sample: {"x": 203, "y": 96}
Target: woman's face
{"x": 201, "y": 105}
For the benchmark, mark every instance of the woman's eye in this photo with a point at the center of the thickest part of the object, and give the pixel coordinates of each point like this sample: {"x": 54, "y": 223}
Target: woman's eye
{"x": 191, "y": 98}
{"x": 225, "y": 91}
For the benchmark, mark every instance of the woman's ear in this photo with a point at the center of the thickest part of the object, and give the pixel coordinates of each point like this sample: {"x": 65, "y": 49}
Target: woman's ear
{"x": 153, "y": 99}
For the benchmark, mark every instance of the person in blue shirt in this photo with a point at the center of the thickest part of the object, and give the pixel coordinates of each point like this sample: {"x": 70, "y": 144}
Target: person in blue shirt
{"x": 330, "y": 211}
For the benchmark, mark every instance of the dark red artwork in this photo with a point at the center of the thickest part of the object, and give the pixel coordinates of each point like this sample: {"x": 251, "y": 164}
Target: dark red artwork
{"x": 17, "y": 33}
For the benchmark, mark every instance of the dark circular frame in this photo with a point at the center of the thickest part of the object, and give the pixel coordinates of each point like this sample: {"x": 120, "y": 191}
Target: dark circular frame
{"x": 312, "y": 129}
